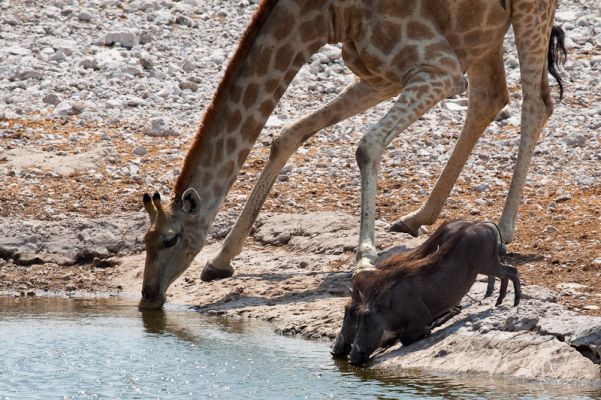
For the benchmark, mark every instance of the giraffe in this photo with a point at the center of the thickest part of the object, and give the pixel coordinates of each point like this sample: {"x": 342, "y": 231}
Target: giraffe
{"x": 417, "y": 50}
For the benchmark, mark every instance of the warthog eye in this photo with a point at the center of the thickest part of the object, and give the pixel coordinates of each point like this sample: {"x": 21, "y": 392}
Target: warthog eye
{"x": 170, "y": 242}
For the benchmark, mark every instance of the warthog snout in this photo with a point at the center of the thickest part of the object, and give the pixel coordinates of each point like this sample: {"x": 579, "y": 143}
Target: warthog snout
{"x": 341, "y": 348}
{"x": 358, "y": 357}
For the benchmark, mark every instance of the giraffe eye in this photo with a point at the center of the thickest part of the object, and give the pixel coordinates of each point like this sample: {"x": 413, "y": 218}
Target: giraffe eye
{"x": 170, "y": 242}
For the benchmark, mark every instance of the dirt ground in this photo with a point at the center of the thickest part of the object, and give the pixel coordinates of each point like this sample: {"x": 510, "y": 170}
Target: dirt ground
{"x": 557, "y": 238}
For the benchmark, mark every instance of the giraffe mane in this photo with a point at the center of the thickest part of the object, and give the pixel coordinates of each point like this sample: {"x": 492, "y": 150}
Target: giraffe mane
{"x": 231, "y": 73}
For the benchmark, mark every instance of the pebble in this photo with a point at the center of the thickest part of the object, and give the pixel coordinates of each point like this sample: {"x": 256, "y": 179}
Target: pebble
{"x": 126, "y": 39}
{"x": 85, "y": 16}
{"x": 160, "y": 72}
{"x": 140, "y": 151}
{"x": 51, "y": 98}
{"x": 563, "y": 197}
{"x": 159, "y": 127}
{"x": 482, "y": 187}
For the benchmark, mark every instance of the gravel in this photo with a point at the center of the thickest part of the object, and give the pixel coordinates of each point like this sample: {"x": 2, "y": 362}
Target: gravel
{"x": 150, "y": 67}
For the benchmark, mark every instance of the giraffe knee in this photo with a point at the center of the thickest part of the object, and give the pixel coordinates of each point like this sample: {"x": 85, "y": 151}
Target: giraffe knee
{"x": 367, "y": 153}
{"x": 283, "y": 145}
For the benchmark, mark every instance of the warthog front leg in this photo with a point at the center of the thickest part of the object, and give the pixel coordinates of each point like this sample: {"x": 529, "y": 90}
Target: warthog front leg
{"x": 415, "y": 331}
{"x": 443, "y": 318}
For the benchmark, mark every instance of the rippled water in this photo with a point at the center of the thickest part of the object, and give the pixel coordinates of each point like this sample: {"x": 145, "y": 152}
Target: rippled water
{"x": 51, "y": 348}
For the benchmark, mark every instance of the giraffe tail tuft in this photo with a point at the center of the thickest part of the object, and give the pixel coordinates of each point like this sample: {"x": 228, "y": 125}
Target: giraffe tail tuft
{"x": 557, "y": 55}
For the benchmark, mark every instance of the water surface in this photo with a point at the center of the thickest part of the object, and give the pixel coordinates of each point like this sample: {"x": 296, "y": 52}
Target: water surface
{"x": 106, "y": 348}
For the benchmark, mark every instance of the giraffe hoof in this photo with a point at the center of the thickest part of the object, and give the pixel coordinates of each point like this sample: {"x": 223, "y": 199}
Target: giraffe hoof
{"x": 401, "y": 226}
{"x": 210, "y": 273}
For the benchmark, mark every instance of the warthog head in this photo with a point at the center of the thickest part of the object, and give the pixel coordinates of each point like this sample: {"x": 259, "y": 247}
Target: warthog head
{"x": 370, "y": 333}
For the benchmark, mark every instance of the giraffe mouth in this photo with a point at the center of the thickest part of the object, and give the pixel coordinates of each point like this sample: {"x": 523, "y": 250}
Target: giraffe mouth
{"x": 151, "y": 299}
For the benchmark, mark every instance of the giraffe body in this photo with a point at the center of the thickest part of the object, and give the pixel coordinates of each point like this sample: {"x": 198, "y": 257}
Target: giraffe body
{"x": 417, "y": 50}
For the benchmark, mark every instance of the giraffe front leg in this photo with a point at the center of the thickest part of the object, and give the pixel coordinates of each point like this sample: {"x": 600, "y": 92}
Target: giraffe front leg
{"x": 487, "y": 96}
{"x": 423, "y": 90}
{"x": 357, "y": 97}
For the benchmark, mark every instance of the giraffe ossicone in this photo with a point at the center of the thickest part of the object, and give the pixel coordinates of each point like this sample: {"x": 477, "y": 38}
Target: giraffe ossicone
{"x": 417, "y": 50}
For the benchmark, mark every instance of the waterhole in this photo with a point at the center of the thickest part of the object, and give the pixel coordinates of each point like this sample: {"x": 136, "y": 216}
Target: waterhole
{"x": 107, "y": 348}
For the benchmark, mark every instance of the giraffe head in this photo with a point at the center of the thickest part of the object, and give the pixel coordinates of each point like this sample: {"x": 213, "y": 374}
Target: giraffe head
{"x": 172, "y": 241}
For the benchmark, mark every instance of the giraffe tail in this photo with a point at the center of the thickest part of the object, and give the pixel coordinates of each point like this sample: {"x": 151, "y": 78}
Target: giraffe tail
{"x": 557, "y": 55}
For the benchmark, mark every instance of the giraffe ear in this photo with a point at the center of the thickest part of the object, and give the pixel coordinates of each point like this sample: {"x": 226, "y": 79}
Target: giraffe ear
{"x": 191, "y": 201}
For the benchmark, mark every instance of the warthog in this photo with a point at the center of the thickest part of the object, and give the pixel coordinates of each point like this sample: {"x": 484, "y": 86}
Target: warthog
{"x": 407, "y": 296}
{"x": 345, "y": 337}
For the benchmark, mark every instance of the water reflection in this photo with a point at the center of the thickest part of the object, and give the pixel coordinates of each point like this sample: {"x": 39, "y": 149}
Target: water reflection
{"x": 177, "y": 323}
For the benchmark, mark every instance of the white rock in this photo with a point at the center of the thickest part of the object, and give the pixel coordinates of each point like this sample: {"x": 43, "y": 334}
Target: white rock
{"x": 18, "y": 51}
{"x": 109, "y": 59}
{"x": 126, "y": 39}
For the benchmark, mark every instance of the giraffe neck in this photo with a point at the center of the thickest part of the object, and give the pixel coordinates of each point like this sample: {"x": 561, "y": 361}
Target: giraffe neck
{"x": 273, "y": 49}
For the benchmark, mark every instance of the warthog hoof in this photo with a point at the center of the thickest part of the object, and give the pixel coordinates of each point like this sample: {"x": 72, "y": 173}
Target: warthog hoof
{"x": 210, "y": 273}
{"x": 401, "y": 226}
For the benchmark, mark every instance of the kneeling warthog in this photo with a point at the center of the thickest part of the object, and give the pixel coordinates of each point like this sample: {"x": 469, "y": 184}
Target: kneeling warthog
{"x": 409, "y": 294}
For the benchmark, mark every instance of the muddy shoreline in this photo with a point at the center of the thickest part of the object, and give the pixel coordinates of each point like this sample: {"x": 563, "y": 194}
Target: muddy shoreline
{"x": 294, "y": 273}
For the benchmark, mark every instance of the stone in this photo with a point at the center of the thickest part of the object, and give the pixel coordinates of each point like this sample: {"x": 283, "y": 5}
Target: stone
{"x": 89, "y": 63}
{"x": 140, "y": 151}
{"x": 482, "y": 187}
{"x": 146, "y": 62}
{"x": 135, "y": 101}
{"x": 159, "y": 127}
{"x": 145, "y": 37}
{"x": 72, "y": 240}
{"x": 85, "y": 16}
{"x": 29, "y": 74}
{"x": 563, "y": 197}
{"x": 51, "y": 98}
{"x": 574, "y": 140}
{"x": 109, "y": 59}
{"x": 183, "y": 20}
{"x": 189, "y": 85}
{"x": 64, "y": 109}
{"x": 127, "y": 39}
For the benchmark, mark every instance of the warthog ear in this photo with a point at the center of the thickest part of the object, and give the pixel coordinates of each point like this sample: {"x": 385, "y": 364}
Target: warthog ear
{"x": 191, "y": 201}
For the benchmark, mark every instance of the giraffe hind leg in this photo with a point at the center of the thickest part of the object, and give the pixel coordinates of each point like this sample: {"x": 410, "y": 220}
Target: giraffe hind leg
{"x": 487, "y": 96}
{"x": 532, "y": 30}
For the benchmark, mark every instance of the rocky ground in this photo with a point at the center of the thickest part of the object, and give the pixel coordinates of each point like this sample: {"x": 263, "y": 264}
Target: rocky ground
{"x": 100, "y": 100}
